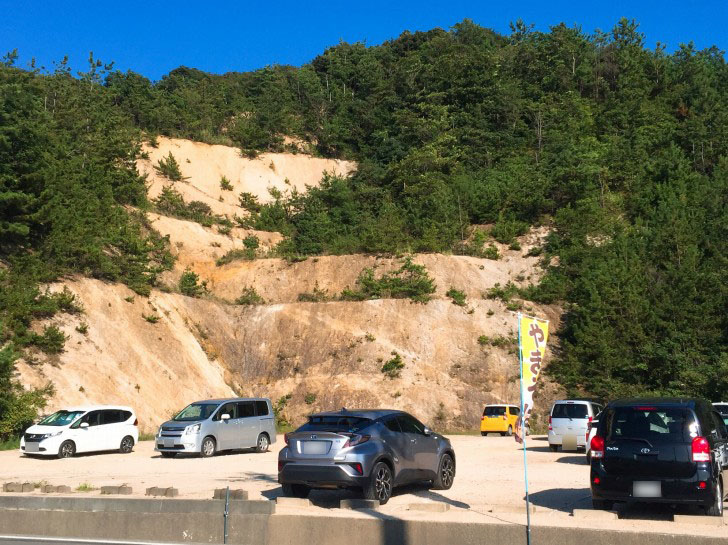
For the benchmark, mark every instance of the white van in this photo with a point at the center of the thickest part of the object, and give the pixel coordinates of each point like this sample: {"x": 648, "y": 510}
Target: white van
{"x": 82, "y": 429}
{"x": 569, "y": 421}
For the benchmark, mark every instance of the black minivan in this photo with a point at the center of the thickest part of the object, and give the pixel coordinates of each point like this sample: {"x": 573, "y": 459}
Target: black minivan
{"x": 660, "y": 450}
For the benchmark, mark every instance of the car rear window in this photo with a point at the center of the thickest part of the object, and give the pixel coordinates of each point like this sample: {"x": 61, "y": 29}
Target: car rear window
{"x": 335, "y": 423}
{"x": 654, "y": 424}
{"x": 494, "y": 411}
{"x": 722, "y": 408}
{"x": 570, "y": 410}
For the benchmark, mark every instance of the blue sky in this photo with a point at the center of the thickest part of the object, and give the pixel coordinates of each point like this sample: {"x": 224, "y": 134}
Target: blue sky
{"x": 155, "y": 37}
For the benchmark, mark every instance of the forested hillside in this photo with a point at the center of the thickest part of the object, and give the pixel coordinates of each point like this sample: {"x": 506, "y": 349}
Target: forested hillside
{"x": 620, "y": 149}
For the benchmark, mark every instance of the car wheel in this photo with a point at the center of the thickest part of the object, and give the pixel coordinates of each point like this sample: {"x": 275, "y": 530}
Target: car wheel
{"x": 208, "y": 447}
{"x": 67, "y": 449}
{"x": 168, "y": 454}
{"x": 295, "y": 490}
{"x": 510, "y": 431}
{"x": 263, "y": 443}
{"x": 127, "y": 444}
{"x": 502, "y": 433}
{"x": 602, "y": 505}
{"x": 554, "y": 448}
{"x": 484, "y": 433}
{"x": 445, "y": 473}
{"x": 716, "y": 509}
{"x": 380, "y": 484}
{"x": 588, "y": 457}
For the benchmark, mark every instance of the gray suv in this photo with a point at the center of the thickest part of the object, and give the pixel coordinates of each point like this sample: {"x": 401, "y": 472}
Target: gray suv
{"x": 206, "y": 427}
{"x": 371, "y": 450}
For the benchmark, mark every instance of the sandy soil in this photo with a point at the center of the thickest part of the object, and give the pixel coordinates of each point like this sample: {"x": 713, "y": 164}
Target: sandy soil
{"x": 488, "y": 486}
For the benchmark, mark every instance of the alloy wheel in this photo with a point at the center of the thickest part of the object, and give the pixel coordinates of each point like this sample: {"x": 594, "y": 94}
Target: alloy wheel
{"x": 262, "y": 443}
{"x": 127, "y": 444}
{"x": 383, "y": 483}
{"x": 67, "y": 450}
{"x": 447, "y": 471}
{"x": 208, "y": 447}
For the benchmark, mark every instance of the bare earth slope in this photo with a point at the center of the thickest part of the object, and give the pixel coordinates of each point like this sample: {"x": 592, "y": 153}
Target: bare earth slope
{"x": 162, "y": 352}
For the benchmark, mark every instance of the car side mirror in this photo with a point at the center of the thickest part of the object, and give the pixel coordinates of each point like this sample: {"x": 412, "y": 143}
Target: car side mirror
{"x": 427, "y": 431}
{"x": 84, "y": 425}
{"x": 225, "y": 417}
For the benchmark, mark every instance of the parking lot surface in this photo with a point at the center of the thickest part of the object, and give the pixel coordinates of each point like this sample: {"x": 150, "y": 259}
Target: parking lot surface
{"x": 488, "y": 485}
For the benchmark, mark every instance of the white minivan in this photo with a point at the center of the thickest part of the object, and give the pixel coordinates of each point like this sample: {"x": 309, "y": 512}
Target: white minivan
{"x": 569, "y": 421}
{"x": 82, "y": 429}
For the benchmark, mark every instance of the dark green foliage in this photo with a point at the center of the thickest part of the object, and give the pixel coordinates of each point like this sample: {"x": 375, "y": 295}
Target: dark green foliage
{"x": 316, "y": 296}
{"x": 169, "y": 168}
{"x": 225, "y": 184}
{"x": 498, "y": 341}
{"x": 504, "y": 293}
{"x": 249, "y": 297}
{"x": 51, "y": 341}
{"x": 409, "y": 281}
{"x": 250, "y": 243}
{"x": 457, "y": 296}
{"x": 190, "y": 285}
{"x": 392, "y": 368}
{"x": 249, "y": 202}
{"x": 309, "y": 398}
{"x": 171, "y": 203}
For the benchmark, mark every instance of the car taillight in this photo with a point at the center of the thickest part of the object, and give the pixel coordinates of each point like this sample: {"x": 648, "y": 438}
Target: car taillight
{"x": 281, "y": 463}
{"x": 597, "y": 447}
{"x": 358, "y": 468}
{"x": 285, "y": 438}
{"x": 355, "y": 440}
{"x": 482, "y": 418}
{"x": 701, "y": 450}
{"x": 550, "y": 428}
{"x": 590, "y": 420}
{"x": 136, "y": 422}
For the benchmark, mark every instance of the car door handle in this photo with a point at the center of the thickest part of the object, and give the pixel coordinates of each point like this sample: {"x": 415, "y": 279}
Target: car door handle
{"x": 413, "y": 440}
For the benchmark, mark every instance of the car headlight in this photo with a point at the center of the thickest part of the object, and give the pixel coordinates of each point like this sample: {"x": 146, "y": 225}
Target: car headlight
{"x": 54, "y": 434}
{"x": 159, "y": 432}
{"x": 191, "y": 430}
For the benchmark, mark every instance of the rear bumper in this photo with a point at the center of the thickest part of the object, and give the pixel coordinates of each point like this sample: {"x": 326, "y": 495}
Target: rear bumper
{"x": 558, "y": 439}
{"x": 494, "y": 426}
{"x": 678, "y": 491}
{"x": 320, "y": 476}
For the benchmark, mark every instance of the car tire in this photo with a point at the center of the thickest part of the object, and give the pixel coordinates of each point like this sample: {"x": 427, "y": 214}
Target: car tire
{"x": 484, "y": 433}
{"x": 588, "y": 457}
{"x": 208, "y": 447}
{"x": 602, "y": 505}
{"x": 509, "y": 433}
{"x": 127, "y": 445}
{"x": 716, "y": 509}
{"x": 263, "y": 443}
{"x": 554, "y": 448}
{"x": 445, "y": 473}
{"x": 296, "y": 490}
{"x": 380, "y": 484}
{"x": 168, "y": 454}
{"x": 67, "y": 449}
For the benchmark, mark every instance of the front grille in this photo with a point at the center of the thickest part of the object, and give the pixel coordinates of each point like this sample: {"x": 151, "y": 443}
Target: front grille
{"x": 169, "y": 428}
{"x": 175, "y": 447}
{"x": 33, "y": 437}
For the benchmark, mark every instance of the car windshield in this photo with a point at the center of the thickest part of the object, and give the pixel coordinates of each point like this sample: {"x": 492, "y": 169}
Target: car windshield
{"x": 196, "y": 411}
{"x": 60, "y": 418}
{"x": 652, "y": 424}
{"x": 494, "y": 411}
{"x": 570, "y": 410}
{"x": 335, "y": 423}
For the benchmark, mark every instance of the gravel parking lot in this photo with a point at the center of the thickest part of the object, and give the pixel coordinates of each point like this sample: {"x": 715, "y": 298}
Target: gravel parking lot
{"x": 488, "y": 485}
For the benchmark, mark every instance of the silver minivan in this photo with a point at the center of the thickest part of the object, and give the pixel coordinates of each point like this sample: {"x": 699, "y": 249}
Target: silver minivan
{"x": 209, "y": 426}
{"x": 569, "y": 421}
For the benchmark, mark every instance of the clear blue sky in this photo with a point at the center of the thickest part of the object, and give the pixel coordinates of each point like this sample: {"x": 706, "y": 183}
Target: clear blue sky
{"x": 155, "y": 37}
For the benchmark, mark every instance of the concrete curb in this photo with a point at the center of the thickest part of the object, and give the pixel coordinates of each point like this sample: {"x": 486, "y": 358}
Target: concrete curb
{"x": 293, "y": 502}
{"x": 166, "y": 492}
{"x": 237, "y": 494}
{"x": 702, "y": 520}
{"x": 358, "y": 504}
{"x": 125, "y": 490}
{"x": 591, "y": 514}
{"x": 51, "y": 489}
{"x": 431, "y": 507}
{"x": 18, "y": 487}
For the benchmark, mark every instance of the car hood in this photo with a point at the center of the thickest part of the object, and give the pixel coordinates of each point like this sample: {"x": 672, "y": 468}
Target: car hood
{"x": 180, "y": 424}
{"x": 37, "y": 429}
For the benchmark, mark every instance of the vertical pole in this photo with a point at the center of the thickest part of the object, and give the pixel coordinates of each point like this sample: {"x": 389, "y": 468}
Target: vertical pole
{"x": 523, "y": 435}
{"x": 225, "y": 516}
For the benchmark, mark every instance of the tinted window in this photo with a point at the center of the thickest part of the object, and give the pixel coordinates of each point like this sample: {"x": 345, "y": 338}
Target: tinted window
{"x": 515, "y": 411}
{"x": 570, "y": 410}
{"x": 719, "y": 425}
{"x": 246, "y": 409}
{"x": 91, "y": 418}
{"x": 196, "y": 411}
{"x": 655, "y": 424}
{"x": 392, "y": 425}
{"x": 125, "y": 415}
{"x": 110, "y": 417}
{"x": 60, "y": 418}
{"x": 228, "y": 408}
{"x": 722, "y": 408}
{"x": 410, "y": 425}
{"x": 262, "y": 408}
{"x": 335, "y": 423}
{"x": 494, "y": 411}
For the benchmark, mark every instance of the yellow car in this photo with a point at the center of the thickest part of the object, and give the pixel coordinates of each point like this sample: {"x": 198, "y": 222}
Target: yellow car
{"x": 499, "y": 419}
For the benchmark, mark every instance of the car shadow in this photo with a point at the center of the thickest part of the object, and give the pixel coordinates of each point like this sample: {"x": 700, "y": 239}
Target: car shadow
{"x": 424, "y": 491}
{"x": 562, "y": 499}
{"x": 538, "y": 449}
{"x": 577, "y": 460}
{"x": 252, "y": 476}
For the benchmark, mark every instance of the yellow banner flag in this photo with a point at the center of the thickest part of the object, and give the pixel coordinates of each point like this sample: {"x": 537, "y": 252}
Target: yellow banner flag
{"x": 532, "y": 336}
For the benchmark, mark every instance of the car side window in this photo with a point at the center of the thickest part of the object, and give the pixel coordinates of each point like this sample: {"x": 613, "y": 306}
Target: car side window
{"x": 720, "y": 429}
{"x": 392, "y": 425}
{"x": 228, "y": 408}
{"x": 410, "y": 425}
{"x": 110, "y": 417}
{"x": 261, "y": 408}
{"x": 125, "y": 415}
{"x": 91, "y": 418}
{"x": 515, "y": 411}
{"x": 246, "y": 409}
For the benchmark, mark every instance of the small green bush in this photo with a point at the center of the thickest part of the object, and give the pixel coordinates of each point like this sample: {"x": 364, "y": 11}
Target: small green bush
{"x": 457, "y": 296}
{"x": 249, "y": 297}
{"x": 169, "y": 168}
{"x": 515, "y": 245}
{"x": 51, "y": 341}
{"x": 393, "y": 367}
{"x": 249, "y": 202}
{"x": 310, "y": 398}
{"x": 507, "y": 229}
{"x": 171, "y": 203}
{"x": 225, "y": 184}
{"x": 316, "y": 296}
{"x": 82, "y": 328}
{"x": 491, "y": 252}
{"x": 189, "y": 284}
{"x": 151, "y": 318}
{"x": 499, "y": 341}
{"x": 409, "y": 281}
{"x": 505, "y": 293}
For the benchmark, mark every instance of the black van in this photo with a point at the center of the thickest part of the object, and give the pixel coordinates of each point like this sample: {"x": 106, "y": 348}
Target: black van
{"x": 659, "y": 451}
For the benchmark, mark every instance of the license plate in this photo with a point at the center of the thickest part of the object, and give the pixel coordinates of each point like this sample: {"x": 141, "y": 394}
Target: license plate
{"x": 31, "y": 447}
{"x": 647, "y": 489}
{"x": 168, "y": 443}
{"x": 315, "y": 447}
{"x": 568, "y": 442}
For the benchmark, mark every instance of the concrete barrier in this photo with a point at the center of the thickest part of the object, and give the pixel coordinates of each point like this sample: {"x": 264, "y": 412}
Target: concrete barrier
{"x": 160, "y": 491}
{"x": 358, "y": 504}
{"x": 430, "y": 507}
{"x": 237, "y": 494}
{"x": 124, "y": 490}
{"x": 592, "y": 514}
{"x": 702, "y": 520}
{"x": 293, "y": 502}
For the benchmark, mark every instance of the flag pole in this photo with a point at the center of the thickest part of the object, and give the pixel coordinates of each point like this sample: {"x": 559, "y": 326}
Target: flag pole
{"x": 523, "y": 432}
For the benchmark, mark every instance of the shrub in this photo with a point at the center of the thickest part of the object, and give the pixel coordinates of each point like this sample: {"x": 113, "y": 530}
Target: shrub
{"x": 278, "y": 408}
{"x": 309, "y": 398}
{"x": 82, "y": 328}
{"x": 505, "y": 293}
{"x": 457, "y": 296}
{"x": 225, "y": 184}
{"x": 409, "y": 281}
{"x": 507, "y": 229}
{"x": 316, "y": 296}
{"x": 171, "y": 203}
{"x": 515, "y": 245}
{"x": 491, "y": 252}
{"x": 224, "y": 229}
{"x": 393, "y": 367}
{"x": 249, "y": 202}
{"x": 498, "y": 341}
{"x": 189, "y": 284}
{"x": 51, "y": 341}
{"x": 249, "y": 297}
{"x": 169, "y": 168}
{"x": 151, "y": 318}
